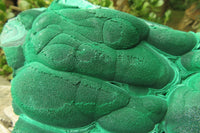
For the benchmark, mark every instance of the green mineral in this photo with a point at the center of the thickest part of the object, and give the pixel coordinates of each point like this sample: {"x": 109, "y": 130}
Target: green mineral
{"x": 81, "y": 68}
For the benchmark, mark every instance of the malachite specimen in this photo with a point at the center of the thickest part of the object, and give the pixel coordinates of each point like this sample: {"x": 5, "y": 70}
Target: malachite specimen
{"x": 81, "y": 68}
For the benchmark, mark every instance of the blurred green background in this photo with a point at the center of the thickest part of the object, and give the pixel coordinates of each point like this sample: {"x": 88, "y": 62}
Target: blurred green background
{"x": 178, "y": 14}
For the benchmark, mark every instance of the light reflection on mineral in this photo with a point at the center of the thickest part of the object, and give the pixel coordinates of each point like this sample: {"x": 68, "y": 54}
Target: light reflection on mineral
{"x": 13, "y": 34}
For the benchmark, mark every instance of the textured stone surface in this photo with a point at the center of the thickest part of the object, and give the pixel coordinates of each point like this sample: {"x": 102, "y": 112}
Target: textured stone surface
{"x": 82, "y": 68}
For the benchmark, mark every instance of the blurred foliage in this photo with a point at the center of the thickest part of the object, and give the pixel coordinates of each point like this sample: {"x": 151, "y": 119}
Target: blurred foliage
{"x": 4, "y": 68}
{"x": 5, "y": 14}
{"x": 181, "y": 4}
{"x": 103, "y": 3}
{"x": 151, "y": 10}
{"x": 28, "y": 4}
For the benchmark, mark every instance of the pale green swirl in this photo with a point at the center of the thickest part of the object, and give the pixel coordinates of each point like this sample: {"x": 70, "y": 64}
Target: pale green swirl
{"x": 14, "y": 33}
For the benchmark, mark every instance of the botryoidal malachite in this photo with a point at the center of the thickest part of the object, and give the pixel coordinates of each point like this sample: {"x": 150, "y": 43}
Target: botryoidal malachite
{"x": 81, "y": 68}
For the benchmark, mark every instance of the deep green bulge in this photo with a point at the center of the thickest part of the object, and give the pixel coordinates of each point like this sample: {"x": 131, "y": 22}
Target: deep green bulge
{"x": 82, "y": 68}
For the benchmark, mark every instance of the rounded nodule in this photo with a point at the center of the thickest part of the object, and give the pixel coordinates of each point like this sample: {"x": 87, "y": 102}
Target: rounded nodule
{"x": 13, "y": 34}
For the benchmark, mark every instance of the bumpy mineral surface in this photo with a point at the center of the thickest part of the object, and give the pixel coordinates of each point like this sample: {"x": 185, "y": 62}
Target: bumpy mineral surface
{"x": 84, "y": 68}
